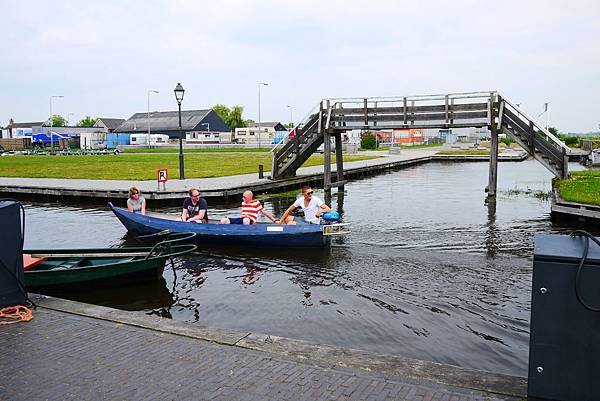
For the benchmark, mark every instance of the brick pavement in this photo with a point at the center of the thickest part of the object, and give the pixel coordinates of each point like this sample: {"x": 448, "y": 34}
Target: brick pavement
{"x": 62, "y": 356}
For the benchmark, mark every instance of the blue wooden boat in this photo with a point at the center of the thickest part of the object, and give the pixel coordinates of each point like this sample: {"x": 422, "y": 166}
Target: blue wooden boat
{"x": 259, "y": 234}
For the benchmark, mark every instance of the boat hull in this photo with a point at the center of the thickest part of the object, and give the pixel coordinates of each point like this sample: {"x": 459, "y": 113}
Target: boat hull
{"x": 69, "y": 269}
{"x": 263, "y": 235}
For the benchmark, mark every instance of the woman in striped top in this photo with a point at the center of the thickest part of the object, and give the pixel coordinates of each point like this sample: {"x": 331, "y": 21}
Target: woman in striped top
{"x": 251, "y": 208}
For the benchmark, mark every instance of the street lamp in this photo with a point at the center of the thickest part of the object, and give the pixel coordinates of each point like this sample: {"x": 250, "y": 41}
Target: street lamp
{"x": 259, "y": 127}
{"x": 51, "y": 121}
{"x": 148, "y": 118}
{"x": 291, "y": 114}
{"x": 69, "y": 118}
{"x": 179, "y": 91}
{"x": 207, "y": 126}
{"x": 545, "y": 111}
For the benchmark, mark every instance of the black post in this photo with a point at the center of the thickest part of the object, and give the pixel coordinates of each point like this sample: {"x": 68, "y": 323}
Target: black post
{"x": 181, "y": 167}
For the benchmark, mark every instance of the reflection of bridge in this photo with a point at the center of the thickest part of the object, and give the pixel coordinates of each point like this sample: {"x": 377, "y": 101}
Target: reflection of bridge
{"x": 332, "y": 117}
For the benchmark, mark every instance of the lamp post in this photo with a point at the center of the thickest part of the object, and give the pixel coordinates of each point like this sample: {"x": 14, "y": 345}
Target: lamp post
{"x": 148, "y": 118}
{"x": 291, "y": 115}
{"x": 69, "y": 118}
{"x": 207, "y": 126}
{"x": 259, "y": 127}
{"x": 179, "y": 91}
{"x": 545, "y": 111}
{"x": 51, "y": 121}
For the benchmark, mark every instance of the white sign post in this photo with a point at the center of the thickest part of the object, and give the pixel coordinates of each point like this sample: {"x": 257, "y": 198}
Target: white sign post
{"x": 162, "y": 175}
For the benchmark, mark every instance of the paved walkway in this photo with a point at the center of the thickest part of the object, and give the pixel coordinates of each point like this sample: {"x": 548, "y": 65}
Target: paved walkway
{"x": 65, "y": 353}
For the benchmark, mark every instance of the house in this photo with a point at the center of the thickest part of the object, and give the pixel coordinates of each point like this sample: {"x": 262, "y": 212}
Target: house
{"x": 108, "y": 124}
{"x": 412, "y": 136}
{"x": 260, "y": 134}
{"x": 167, "y": 123}
{"x": 19, "y": 130}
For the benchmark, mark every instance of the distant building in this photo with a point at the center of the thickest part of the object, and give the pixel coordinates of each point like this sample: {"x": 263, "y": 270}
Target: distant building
{"x": 109, "y": 124}
{"x": 167, "y": 123}
{"x": 264, "y": 134}
{"x": 19, "y": 130}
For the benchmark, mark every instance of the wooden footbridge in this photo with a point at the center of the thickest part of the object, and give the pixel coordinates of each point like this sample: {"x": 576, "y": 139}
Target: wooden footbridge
{"x": 332, "y": 117}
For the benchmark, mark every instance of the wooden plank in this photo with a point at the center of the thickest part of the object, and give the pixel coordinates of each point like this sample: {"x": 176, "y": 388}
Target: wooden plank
{"x": 413, "y": 109}
{"x": 415, "y": 117}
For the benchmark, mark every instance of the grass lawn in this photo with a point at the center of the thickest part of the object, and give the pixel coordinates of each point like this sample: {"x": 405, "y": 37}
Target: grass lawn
{"x": 464, "y": 152}
{"x": 581, "y": 187}
{"x": 143, "y": 166}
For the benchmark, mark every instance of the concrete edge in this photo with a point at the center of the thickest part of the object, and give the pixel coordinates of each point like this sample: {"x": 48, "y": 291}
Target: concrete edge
{"x": 331, "y": 356}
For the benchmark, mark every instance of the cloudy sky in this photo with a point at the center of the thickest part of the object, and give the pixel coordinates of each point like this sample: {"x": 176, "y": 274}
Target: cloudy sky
{"x": 104, "y": 56}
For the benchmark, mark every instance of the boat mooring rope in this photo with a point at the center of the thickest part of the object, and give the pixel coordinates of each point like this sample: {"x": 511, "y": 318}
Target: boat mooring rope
{"x": 15, "y": 314}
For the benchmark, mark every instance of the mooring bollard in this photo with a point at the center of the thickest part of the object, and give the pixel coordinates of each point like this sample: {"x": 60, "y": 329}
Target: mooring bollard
{"x": 261, "y": 171}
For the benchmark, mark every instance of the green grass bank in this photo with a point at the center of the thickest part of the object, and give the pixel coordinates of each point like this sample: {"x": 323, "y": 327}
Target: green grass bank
{"x": 143, "y": 166}
{"x": 581, "y": 187}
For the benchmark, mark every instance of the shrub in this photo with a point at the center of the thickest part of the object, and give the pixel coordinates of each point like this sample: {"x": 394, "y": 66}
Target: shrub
{"x": 368, "y": 141}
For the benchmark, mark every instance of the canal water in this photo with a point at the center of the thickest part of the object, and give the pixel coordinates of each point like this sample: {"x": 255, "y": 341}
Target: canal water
{"x": 429, "y": 272}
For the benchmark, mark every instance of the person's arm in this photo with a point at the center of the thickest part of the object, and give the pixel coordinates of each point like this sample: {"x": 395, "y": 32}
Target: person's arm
{"x": 129, "y": 206}
{"x": 143, "y": 206}
{"x": 286, "y": 214}
{"x": 322, "y": 209}
{"x": 269, "y": 215}
{"x": 199, "y": 216}
{"x": 184, "y": 215}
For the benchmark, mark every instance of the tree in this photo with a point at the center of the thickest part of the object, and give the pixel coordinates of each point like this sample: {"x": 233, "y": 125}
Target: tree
{"x": 87, "y": 122}
{"x": 232, "y": 117}
{"x": 289, "y": 125}
{"x": 58, "y": 120}
{"x": 368, "y": 141}
{"x": 235, "y": 118}
{"x": 222, "y": 110}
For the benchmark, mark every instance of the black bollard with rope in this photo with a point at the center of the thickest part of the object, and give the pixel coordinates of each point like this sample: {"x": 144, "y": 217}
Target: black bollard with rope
{"x": 15, "y": 305}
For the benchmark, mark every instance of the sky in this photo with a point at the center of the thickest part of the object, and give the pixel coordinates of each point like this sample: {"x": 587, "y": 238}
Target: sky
{"x": 104, "y": 56}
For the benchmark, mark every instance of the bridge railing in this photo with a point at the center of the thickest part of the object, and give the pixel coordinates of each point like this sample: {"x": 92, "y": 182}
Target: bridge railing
{"x": 525, "y": 121}
{"x": 282, "y": 150}
{"x": 469, "y": 109}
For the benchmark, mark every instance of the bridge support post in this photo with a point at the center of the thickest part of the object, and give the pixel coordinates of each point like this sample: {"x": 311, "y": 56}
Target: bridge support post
{"x": 327, "y": 160}
{"x": 493, "y": 174}
{"x": 339, "y": 160}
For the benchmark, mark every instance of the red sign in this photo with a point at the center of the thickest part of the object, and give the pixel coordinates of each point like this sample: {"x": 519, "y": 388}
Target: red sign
{"x": 162, "y": 175}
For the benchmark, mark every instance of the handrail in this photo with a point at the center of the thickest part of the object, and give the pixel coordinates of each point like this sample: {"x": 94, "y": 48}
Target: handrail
{"x": 459, "y": 95}
{"x": 176, "y": 237}
{"x": 544, "y": 130}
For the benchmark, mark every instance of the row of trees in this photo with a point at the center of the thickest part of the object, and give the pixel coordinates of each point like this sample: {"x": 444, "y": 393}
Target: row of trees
{"x": 60, "y": 121}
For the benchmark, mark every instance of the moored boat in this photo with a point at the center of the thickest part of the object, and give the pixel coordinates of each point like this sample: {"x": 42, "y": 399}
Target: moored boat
{"x": 65, "y": 267}
{"x": 259, "y": 234}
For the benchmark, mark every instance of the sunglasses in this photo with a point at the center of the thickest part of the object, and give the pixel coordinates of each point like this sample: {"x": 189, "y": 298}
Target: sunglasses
{"x": 135, "y": 193}
{"x": 196, "y": 196}
{"x": 309, "y": 193}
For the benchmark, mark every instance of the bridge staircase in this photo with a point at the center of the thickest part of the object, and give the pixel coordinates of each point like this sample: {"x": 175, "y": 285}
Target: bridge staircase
{"x": 289, "y": 156}
{"x": 540, "y": 143}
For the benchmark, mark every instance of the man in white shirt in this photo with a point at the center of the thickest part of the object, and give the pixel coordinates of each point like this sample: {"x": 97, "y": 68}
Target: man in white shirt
{"x": 313, "y": 209}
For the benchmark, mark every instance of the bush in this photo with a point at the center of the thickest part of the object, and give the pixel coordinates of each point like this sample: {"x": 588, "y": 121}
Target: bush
{"x": 507, "y": 140}
{"x": 368, "y": 141}
{"x": 569, "y": 140}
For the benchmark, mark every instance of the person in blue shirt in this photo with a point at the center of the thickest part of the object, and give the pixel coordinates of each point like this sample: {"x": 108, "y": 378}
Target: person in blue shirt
{"x": 195, "y": 208}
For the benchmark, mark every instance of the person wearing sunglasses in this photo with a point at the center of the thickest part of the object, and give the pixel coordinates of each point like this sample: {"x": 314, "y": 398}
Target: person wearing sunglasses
{"x": 136, "y": 203}
{"x": 195, "y": 208}
{"x": 312, "y": 206}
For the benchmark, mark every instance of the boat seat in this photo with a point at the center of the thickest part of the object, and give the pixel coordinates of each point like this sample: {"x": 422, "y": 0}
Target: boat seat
{"x": 71, "y": 262}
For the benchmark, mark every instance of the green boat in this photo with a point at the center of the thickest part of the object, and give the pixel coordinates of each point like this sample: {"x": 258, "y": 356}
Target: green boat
{"x": 66, "y": 268}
